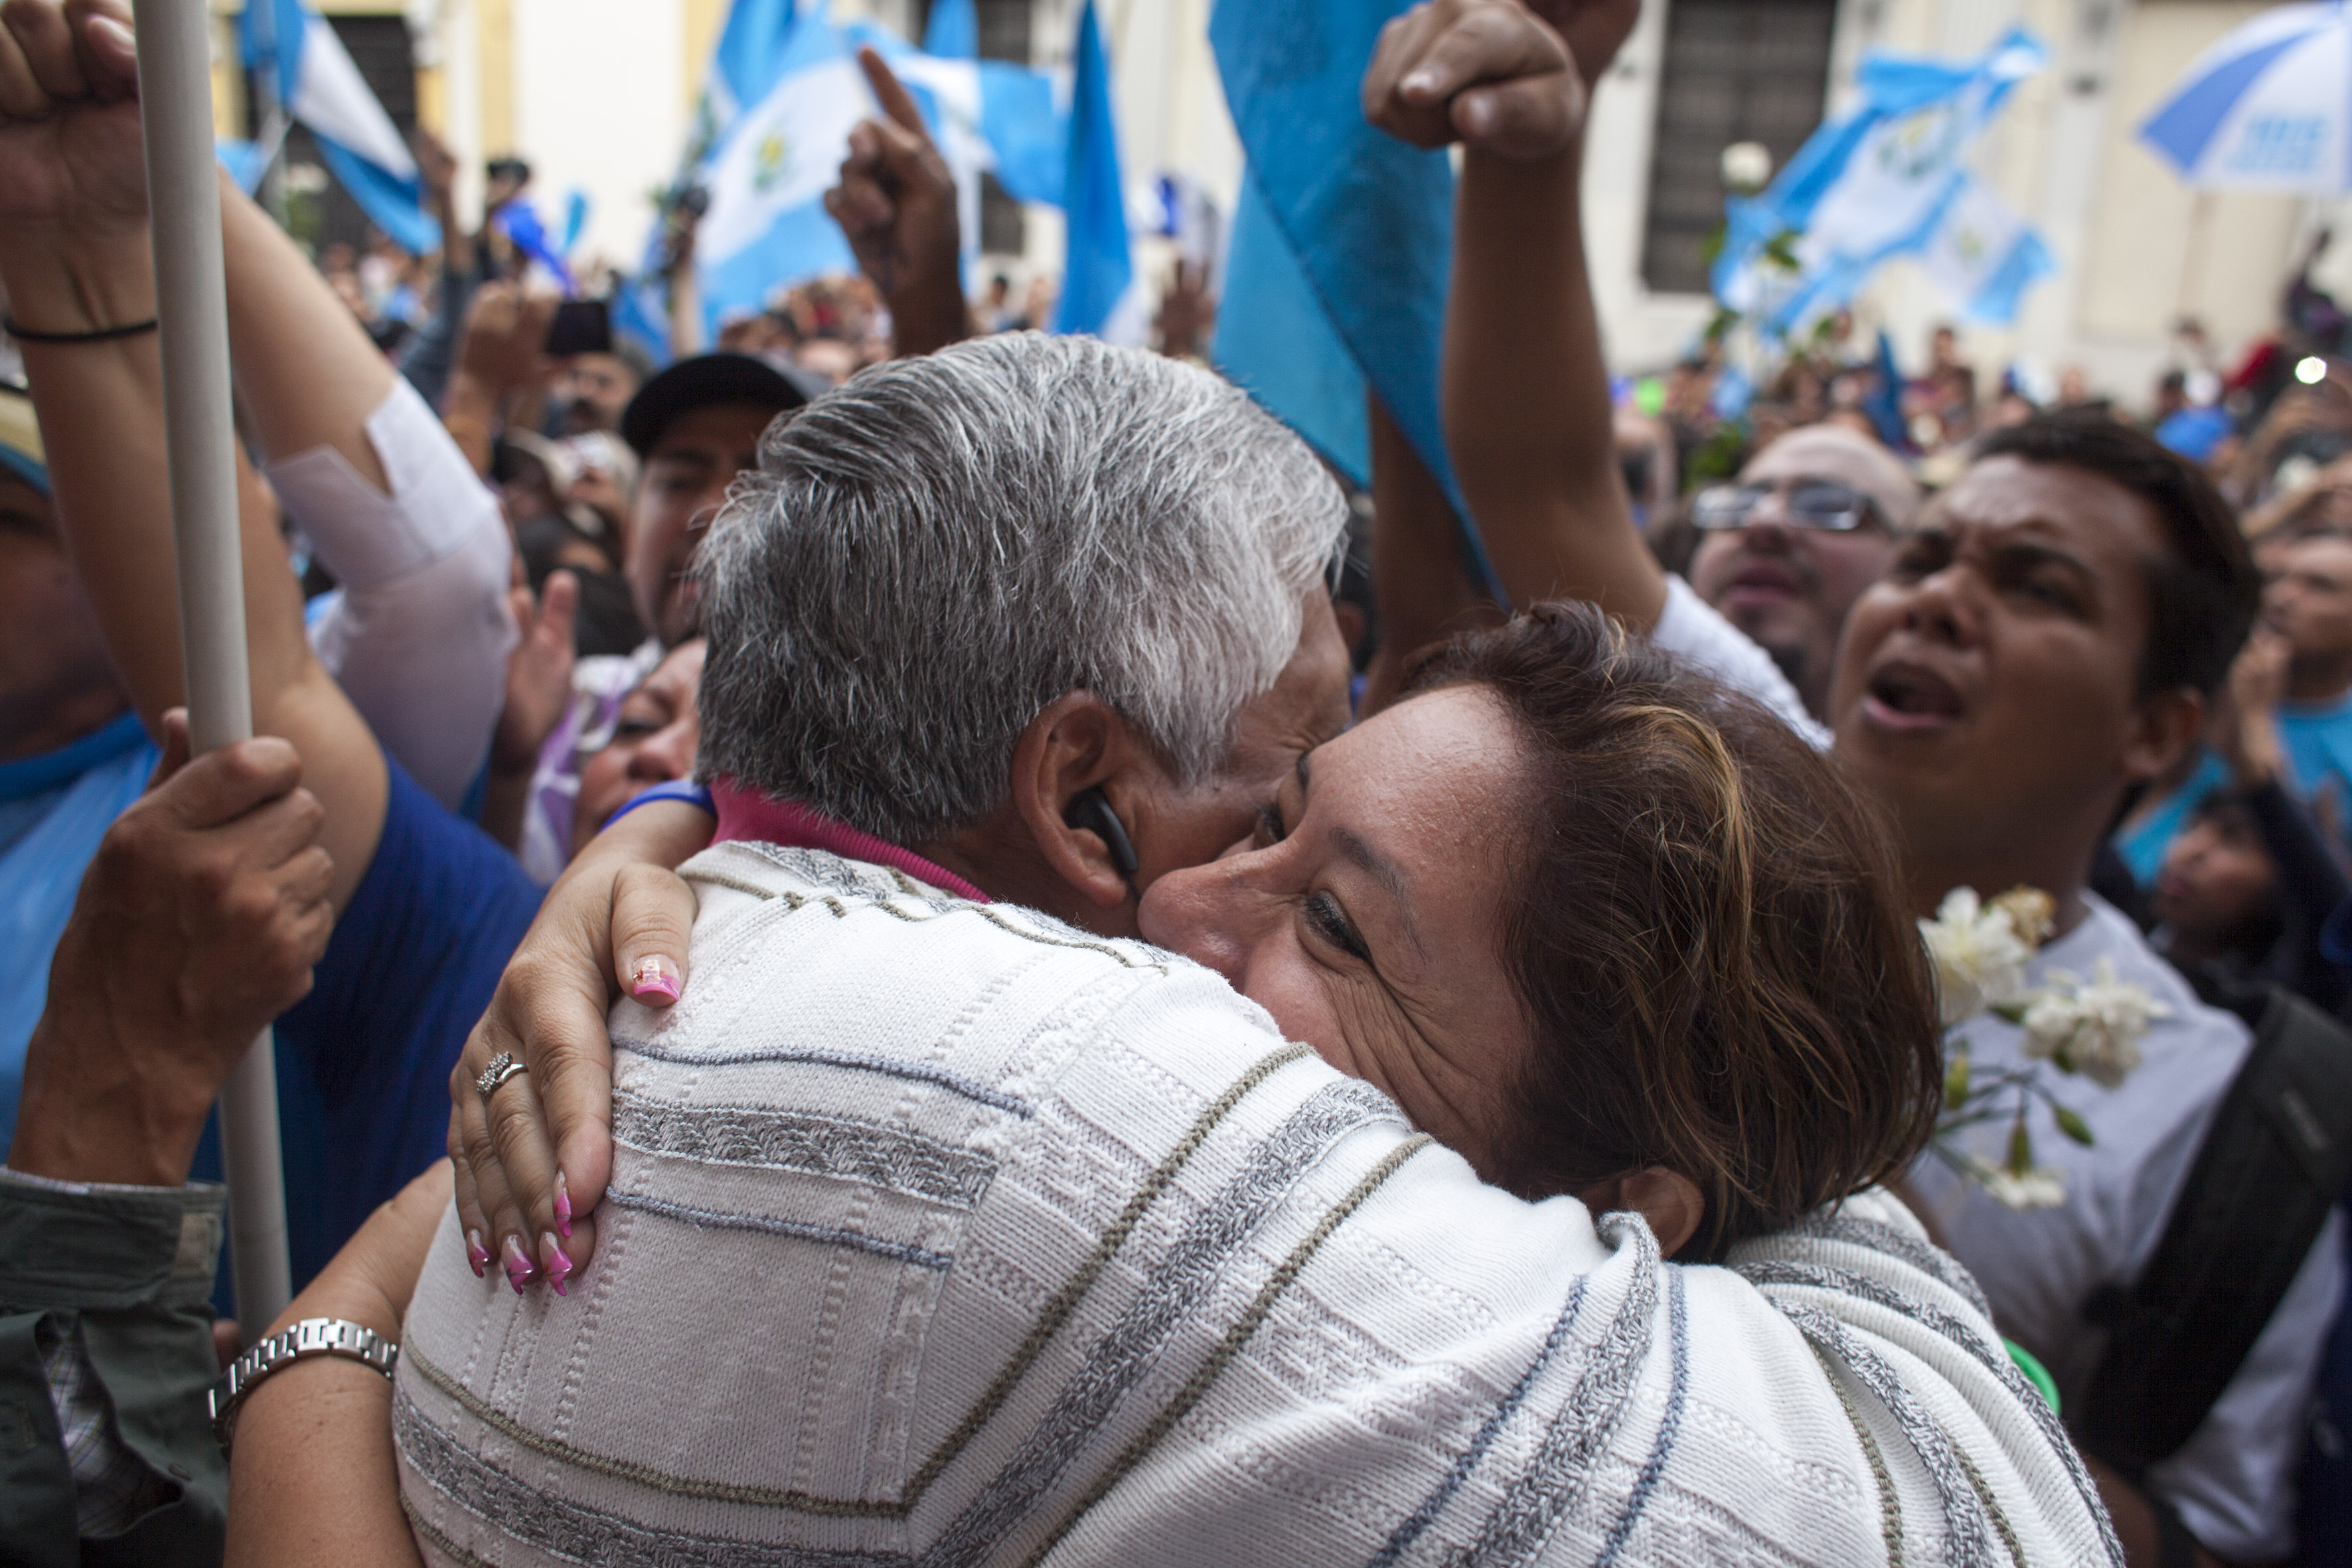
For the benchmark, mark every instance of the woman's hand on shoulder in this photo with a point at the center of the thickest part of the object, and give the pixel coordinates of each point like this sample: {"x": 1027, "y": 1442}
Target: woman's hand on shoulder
{"x": 533, "y": 1157}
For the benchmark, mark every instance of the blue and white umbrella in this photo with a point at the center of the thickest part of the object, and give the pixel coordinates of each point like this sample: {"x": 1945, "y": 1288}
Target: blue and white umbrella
{"x": 2268, "y": 108}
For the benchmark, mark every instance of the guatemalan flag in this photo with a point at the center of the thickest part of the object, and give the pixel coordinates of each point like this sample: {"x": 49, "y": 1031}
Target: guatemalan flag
{"x": 1984, "y": 256}
{"x": 323, "y": 91}
{"x": 1876, "y": 182}
{"x": 767, "y": 228}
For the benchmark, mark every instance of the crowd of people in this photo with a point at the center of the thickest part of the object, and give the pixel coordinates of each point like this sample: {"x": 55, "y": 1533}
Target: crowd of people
{"x": 907, "y": 940}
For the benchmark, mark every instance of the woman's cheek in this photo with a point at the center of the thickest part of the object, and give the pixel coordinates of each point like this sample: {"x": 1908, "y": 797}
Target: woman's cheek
{"x": 1287, "y": 987}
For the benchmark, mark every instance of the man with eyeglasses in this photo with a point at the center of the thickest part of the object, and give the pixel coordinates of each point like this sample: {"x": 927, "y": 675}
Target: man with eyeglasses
{"x": 1813, "y": 521}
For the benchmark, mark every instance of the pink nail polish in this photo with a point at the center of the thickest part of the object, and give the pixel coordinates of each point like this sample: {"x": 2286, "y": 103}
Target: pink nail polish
{"x": 563, "y": 1207}
{"x": 520, "y": 1268}
{"x": 653, "y": 979}
{"x": 477, "y": 1254}
{"x": 559, "y": 1266}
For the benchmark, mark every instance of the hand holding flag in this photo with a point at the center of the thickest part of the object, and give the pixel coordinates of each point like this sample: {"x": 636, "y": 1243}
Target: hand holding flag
{"x": 896, "y": 202}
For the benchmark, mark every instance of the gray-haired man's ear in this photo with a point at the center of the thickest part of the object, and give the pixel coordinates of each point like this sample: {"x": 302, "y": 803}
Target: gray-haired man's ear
{"x": 1040, "y": 847}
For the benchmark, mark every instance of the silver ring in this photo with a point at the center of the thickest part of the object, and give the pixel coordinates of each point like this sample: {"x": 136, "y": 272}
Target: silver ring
{"x": 502, "y": 1068}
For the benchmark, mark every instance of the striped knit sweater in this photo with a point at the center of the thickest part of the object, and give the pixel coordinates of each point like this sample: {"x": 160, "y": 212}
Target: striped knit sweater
{"x": 942, "y": 1234}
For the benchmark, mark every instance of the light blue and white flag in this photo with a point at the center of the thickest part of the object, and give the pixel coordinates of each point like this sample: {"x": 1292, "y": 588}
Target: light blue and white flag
{"x": 323, "y": 91}
{"x": 953, "y": 31}
{"x": 1343, "y": 240}
{"x": 1984, "y": 256}
{"x": 748, "y": 56}
{"x": 1277, "y": 343}
{"x": 1868, "y": 187}
{"x": 2268, "y": 108}
{"x": 1098, "y": 267}
{"x": 767, "y": 229}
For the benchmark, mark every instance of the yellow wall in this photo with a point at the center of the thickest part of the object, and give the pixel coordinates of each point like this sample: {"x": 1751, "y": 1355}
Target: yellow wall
{"x": 703, "y": 19}
{"x": 494, "y": 43}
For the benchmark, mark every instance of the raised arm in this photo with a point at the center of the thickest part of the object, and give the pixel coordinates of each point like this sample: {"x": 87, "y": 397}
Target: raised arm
{"x": 1419, "y": 586}
{"x": 897, "y": 202}
{"x": 418, "y": 639}
{"x": 74, "y": 258}
{"x": 1528, "y": 417}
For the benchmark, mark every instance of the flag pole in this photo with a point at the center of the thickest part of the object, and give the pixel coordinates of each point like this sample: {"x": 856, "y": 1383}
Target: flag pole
{"x": 175, "y": 107}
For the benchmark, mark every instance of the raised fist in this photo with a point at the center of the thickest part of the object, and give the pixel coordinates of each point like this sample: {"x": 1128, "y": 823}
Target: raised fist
{"x": 1487, "y": 73}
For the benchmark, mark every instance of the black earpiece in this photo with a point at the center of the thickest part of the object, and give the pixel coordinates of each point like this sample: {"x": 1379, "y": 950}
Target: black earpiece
{"x": 1091, "y": 810}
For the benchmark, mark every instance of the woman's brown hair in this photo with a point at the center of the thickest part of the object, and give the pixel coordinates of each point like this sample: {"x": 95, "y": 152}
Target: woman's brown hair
{"x": 1709, "y": 940}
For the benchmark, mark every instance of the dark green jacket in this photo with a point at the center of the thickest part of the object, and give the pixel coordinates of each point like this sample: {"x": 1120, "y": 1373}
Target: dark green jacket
{"x": 130, "y": 1269}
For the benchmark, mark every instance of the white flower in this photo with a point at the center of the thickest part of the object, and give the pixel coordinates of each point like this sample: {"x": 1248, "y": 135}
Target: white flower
{"x": 2051, "y": 1022}
{"x": 1979, "y": 954}
{"x": 2037, "y": 1187}
{"x": 2091, "y": 1028}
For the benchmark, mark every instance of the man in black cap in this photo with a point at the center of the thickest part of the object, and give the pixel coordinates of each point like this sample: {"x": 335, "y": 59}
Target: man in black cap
{"x": 694, "y": 426}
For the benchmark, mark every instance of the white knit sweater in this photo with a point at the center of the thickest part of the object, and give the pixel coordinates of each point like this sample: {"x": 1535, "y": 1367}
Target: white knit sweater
{"x": 944, "y": 1234}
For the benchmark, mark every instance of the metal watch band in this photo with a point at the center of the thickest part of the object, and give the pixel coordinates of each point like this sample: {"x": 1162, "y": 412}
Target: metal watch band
{"x": 311, "y": 1337}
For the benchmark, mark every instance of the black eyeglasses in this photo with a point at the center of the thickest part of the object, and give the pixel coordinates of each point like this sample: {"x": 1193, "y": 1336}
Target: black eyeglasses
{"x": 1805, "y": 503}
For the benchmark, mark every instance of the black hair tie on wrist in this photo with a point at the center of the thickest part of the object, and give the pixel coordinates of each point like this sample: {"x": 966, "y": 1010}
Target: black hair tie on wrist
{"x": 103, "y": 334}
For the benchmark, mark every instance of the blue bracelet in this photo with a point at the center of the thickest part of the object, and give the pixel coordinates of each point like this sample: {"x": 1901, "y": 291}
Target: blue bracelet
{"x": 687, "y": 790}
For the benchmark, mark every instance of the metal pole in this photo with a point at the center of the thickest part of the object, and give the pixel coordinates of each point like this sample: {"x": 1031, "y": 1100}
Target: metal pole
{"x": 175, "y": 102}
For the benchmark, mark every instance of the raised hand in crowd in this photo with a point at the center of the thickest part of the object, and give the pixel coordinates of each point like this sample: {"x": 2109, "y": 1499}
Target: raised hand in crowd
{"x": 501, "y": 363}
{"x": 410, "y": 963}
{"x": 198, "y": 924}
{"x": 896, "y": 202}
{"x": 1528, "y": 422}
{"x": 1528, "y": 413}
{"x": 539, "y": 687}
{"x": 1188, "y": 311}
{"x": 2245, "y": 727}
{"x": 436, "y": 171}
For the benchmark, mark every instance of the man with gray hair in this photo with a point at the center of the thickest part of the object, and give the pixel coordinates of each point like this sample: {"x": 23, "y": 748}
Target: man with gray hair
{"x": 1054, "y": 663}
{"x": 1138, "y": 554}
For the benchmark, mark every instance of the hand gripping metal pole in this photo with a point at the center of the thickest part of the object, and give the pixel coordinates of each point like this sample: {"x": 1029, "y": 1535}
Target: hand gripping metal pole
{"x": 176, "y": 104}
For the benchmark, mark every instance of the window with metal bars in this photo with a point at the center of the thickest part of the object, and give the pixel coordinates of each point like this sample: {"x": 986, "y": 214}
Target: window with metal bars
{"x": 1736, "y": 70}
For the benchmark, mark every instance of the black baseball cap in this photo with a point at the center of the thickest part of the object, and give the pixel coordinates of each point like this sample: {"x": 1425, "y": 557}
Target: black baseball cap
{"x": 700, "y": 382}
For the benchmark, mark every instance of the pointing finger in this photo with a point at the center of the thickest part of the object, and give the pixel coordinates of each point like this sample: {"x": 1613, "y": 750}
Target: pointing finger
{"x": 896, "y": 100}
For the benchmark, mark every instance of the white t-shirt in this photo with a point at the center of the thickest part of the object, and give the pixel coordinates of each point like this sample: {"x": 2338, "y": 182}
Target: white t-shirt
{"x": 1694, "y": 629}
{"x": 2234, "y": 1481}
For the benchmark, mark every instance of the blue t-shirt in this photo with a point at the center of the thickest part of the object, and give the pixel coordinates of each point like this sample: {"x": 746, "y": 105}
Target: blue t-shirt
{"x": 54, "y": 808}
{"x": 2142, "y": 847}
{"x": 2317, "y": 739}
{"x": 363, "y": 1060}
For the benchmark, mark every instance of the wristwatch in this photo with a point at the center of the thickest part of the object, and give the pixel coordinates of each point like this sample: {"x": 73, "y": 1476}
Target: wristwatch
{"x": 311, "y": 1337}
